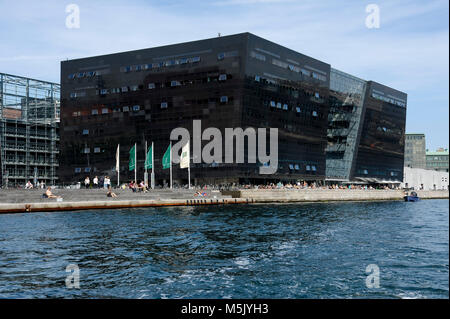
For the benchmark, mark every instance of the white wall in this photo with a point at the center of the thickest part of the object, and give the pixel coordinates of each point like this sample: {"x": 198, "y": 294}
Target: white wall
{"x": 414, "y": 177}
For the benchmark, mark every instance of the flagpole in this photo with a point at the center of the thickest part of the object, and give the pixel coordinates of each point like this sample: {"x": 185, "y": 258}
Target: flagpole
{"x": 153, "y": 167}
{"x": 145, "y": 165}
{"x": 135, "y": 164}
{"x": 189, "y": 175}
{"x": 189, "y": 165}
{"x": 170, "y": 157}
{"x": 118, "y": 168}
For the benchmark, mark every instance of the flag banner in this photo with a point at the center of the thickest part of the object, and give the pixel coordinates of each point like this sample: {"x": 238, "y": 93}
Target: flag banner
{"x": 185, "y": 156}
{"x": 166, "y": 158}
{"x": 148, "y": 162}
{"x": 132, "y": 163}
{"x": 117, "y": 159}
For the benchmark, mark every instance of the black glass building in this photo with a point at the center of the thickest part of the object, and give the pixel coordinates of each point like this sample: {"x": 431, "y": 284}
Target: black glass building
{"x": 236, "y": 81}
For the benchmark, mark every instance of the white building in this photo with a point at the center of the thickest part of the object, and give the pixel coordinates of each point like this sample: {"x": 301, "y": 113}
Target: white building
{"x": 426, "y": 179}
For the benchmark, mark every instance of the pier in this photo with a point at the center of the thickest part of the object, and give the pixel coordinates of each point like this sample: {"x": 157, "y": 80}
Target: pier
{"x": 29, "y": 201}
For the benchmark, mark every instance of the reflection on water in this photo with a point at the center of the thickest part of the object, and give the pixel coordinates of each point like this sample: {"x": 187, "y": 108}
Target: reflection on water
{"x": 247, "y": 251}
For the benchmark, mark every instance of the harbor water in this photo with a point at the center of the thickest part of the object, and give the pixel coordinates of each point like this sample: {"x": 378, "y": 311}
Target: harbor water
{"x": 307, "y": 250}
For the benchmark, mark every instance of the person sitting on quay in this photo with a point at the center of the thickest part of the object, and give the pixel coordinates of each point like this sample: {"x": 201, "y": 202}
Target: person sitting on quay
{"x": 132, "y": 186}
{"x": 48, "y": 194}
{"x": 28, "y": 185}
{"x": 110, "y": 193}
{"x": 142, "y": 187}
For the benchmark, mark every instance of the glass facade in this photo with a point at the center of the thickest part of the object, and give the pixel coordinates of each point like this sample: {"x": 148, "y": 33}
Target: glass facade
{"x": 29, "y": 131}
{"x": 380, "y": 154}
{"x": 344, "y": 121}
{"x": 237, "y": 81}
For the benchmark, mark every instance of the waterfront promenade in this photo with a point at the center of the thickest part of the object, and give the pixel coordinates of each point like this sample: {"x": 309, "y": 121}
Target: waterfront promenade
{"x": 21, "y": 200}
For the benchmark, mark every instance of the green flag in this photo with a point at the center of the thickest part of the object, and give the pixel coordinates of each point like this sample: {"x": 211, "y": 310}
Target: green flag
{"x": 166, "y": 159}
{"x": 132, "y": 163}
{"x": 148, "y": 162}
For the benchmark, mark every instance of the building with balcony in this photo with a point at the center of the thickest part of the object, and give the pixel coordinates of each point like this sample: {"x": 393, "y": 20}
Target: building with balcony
{"x": 29, "y": 131}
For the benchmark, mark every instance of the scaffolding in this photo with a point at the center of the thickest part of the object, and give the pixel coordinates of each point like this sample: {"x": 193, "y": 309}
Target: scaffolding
{"x": 29, "y": 131}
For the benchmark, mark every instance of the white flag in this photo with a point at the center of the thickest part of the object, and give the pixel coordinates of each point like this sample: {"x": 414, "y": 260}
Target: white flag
{"x": 117, "y": 159}
{"x": 185, "y": 156}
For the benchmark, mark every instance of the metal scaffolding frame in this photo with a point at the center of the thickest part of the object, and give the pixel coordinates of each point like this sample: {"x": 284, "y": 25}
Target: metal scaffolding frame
{"x": 29, "y": 136}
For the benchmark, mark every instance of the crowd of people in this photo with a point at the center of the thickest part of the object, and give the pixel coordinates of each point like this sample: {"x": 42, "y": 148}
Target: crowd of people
{"x": 314, "y": 185}
{"x": 30, "y": 185}
{"x": 102, "y": 182}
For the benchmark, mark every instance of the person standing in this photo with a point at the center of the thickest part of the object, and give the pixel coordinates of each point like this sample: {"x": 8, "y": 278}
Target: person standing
{"x": 87, "y": 182}
{"x": 95, "y": 181}
{"x": 106, "y": 182}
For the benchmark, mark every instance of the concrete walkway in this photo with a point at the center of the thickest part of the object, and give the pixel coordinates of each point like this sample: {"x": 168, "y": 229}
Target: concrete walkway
{"x": 19, "y": 201}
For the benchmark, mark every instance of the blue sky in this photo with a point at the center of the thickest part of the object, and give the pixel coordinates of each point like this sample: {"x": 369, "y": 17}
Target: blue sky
{"x": 410, "y": 50}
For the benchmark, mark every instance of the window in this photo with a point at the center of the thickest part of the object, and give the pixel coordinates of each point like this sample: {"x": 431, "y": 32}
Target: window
{"x": 308, "y": 167}
{"x": 257, "y": 78}
{"x": 151, "y": 85}
{"x": 313, "y": 167}
{"x": 124, "y": 88}
{"x": 85, "y": 132}
{"x": 87, "y": 150}
{"x": 224, "y": 99}
{"x": 103, "y": 91}
{"x": 134, "y": 88}
{"x": 71, "y": 76}
{"x": 94, "y": 112}
{"x": 175, "y": 83}
{"x": 78, "y": 170}
{"x": 87, "y": 169}
{"x": 273, "y": 104}
{"x": 314, "y": 113}
{"x": 285, "y": 107}
{"x": 279, "y": 63}
{"x": 222, "y": 77}
{"x": 136, "y": 108}
{"x": 183, "y": 61}
{"x": 291, "y": 167}
{"x": 305, "y": 72}
{"x": 195, "y": 59}
{"x": 164, "y": 105}
{"x": 97, "y": 150}
{"x": 156, "y": 65}
{"x": 90, "y": 74}
{"x": 138, "y": 67}
{"x": 169, "y": 63}
{"x": 365, "y": 172}
{"x": 126, "y": 109}
{"x": 297, "y": 167}
{"x": 278, "y": 105}
{"x": 258, "y": 56}
{"x": 128, "y": 69}
{"x": 317, "y": 95}
{"x": 105, "y": 111}
{"x": 221, "y": 56}
{"x": 298, "y": 109}
{"x": 80, "y": 75}
{"x": 73, "y": 95}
